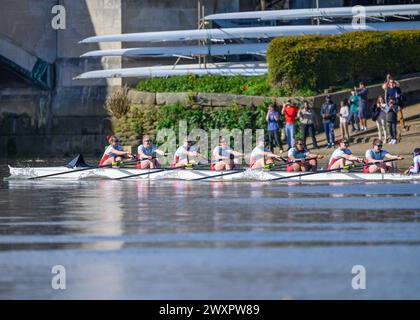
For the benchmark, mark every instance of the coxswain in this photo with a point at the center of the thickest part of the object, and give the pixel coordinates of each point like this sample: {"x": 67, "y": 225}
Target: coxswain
{"x": 302, "y": 159}
{"x": 342, "y": 156}
{"x": 147, "y": 154}
{"x": 415, "y": 168}
{"x": 223, "y": 156}
{"x": 262, "y": 157}
{"x": 377, "y": 155}
{"x": 114, "y": 153}
{"x": 183, "y": 155}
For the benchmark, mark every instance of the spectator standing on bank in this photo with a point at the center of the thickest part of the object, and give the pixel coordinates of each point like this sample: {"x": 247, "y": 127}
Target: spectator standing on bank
{"x": 354, "y": 111}
{"x": 328, "y": 114}
{"x": 307, "y": 121}
{"x": 290, "y": 111}
{"x": 362, "y": 92}
{"x": 392, "y": 120}
{"x": 379, "y": 111}
{"x": 273, "y": 127}
{"x": 393, "y": 92}
{"x": 387, "y": 82}
{"x": 344, "y": 115}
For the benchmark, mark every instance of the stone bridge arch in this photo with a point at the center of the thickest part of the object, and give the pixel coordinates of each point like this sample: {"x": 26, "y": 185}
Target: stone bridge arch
{"x": 26, "y": 64}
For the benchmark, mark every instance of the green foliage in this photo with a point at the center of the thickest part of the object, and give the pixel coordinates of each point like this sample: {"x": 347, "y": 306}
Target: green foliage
{"x": 142, "y": 120}
{"x": 255, "y": 86}
{"x": 312, "y": 63}
{"x": 207, "y": 118}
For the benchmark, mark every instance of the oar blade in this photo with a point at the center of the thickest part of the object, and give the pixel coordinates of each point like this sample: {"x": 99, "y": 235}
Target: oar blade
{"x": 78, "y": 162}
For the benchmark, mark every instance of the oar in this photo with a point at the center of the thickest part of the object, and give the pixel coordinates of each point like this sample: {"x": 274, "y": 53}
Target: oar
{"x": 219, "y": 175}
{"x": 224, "y": 173}
{"x": 79, "y": 170}
{"x": 331, "y": 170}
{"x": 146, "y": 173}
{"x": 159, "y": 170}
{"x": 156, "y": 171}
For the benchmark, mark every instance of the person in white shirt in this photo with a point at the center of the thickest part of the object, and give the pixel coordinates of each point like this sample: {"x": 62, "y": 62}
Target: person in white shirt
{"x": 378, "y": 155}
{"x": 380, "y": 109}
{"x": 344, "y": 115}
{"x": 114, "y": 153}
{"x": 147, "y": 154}
{"x": 415, "y": 168}
{"x": 261, "y": 156}
{"x": 185, "y": 154}
{"x": 342, "y": 156}
{"x": 223, "y": 156}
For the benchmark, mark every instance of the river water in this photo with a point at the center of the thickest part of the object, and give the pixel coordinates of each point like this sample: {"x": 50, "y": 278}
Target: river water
{"x": 203, "y": 240}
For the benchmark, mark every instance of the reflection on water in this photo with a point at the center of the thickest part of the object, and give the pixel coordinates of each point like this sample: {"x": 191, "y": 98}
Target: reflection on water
{"x": 175, "y": 239}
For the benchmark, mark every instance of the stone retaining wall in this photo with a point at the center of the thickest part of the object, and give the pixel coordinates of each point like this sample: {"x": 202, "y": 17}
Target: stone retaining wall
{"x": 410, "y": 87}
{"x": 204, "y": 99}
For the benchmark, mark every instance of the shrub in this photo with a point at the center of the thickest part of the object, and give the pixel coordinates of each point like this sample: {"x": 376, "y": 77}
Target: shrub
{"x": 316, "y": 62}
{"x": 118, "y": 103}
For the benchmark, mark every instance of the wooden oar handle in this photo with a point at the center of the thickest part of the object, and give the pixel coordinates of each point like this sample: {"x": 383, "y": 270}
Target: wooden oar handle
{"x": 384, "y": 161}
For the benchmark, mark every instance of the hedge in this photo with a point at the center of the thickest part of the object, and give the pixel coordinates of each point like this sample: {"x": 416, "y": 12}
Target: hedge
{"x": 255, "y": 85}
{"x": 317, "y": 62}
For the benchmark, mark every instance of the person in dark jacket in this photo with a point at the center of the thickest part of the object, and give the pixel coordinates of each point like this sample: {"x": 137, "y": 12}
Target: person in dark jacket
{"x": 273, "y": 127}
{"x": 392, "y": 120}
{"x": 393, "y": 92}
{"x": 328, "y": 114}
{"x": 362, "y": 92}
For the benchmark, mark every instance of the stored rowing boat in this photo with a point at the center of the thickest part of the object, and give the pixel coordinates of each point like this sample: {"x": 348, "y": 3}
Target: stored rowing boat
{"x": 209, "y": 175}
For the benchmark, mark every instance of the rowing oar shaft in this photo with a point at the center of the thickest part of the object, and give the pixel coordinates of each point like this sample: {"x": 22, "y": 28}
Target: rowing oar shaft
{"x": 327, "y": 171}
{"x": 156, "y": 171}
{"x": 78, "y": 170}
{"x": 218, "y": 175}
{"x": 146, "y": 173}
{"x": 238, "y": 171}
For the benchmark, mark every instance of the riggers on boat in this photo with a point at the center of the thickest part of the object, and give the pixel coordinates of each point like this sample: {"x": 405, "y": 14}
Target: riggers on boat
{"x": 65, "y": 173}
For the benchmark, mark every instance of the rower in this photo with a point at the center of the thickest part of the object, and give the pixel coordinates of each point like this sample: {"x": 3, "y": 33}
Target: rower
{"x": 378, "y": 155}
{"x": 342, "y": 156}
{"x": 302, "y": 158}
{"x": 114, "y": 153}
{"x": 223, "y": 156}
{"x": 183, "y": 154}
{"x": 262, "y": 157}
{"x": 147, "y": 154}
{"x": 415, "y": 168}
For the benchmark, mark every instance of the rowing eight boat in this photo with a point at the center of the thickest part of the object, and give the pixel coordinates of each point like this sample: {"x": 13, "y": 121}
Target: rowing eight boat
{"x": 208, "y": 175}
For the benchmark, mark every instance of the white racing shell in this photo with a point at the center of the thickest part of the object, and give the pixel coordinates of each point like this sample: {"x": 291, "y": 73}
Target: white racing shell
{"x": 191, "y": 174}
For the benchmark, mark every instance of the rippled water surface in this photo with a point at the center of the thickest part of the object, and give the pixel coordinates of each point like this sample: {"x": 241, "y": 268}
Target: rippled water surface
{"x": 202, "y": 240}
